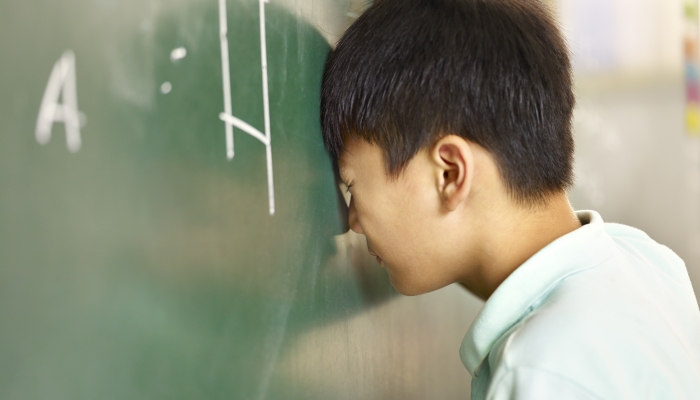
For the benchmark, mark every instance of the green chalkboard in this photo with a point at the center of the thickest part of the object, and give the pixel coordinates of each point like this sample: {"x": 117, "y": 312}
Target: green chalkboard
{"x": 139, "y": 260}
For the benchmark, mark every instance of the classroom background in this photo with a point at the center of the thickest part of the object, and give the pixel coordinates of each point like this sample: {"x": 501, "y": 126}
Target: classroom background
{"x": 171, "y": 226}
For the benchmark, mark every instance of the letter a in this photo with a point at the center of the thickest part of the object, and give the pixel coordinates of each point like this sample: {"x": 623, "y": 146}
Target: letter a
{"x": 62, "y": 81}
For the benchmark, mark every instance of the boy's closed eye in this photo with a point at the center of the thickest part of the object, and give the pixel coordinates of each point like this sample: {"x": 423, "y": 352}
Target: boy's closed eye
{"x": 348, "y": 186}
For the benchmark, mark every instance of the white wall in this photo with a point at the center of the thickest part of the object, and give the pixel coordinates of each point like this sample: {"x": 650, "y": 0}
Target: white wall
{"x": 637, "y": 36}
{"x": 635, "y": 163}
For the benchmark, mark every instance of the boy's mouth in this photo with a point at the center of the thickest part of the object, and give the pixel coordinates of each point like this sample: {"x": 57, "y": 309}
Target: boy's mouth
{"x": 379, "y": 259}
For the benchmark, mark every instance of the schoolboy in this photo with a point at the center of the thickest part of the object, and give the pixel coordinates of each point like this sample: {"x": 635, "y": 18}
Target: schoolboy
{"x": 451, "y": 121}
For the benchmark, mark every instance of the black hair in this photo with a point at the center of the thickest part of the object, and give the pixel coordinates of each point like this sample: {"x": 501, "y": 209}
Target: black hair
{"x": 495, "y": 72}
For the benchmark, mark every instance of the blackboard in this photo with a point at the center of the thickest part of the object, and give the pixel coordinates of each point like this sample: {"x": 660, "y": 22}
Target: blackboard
{"x": 170, "y": 223}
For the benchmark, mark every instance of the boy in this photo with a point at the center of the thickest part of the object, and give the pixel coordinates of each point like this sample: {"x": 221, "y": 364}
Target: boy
{"x": 451, "y": 122}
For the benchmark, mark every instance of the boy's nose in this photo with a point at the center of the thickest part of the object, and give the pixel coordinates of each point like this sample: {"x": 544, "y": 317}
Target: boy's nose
{"x": 352, "y": 217}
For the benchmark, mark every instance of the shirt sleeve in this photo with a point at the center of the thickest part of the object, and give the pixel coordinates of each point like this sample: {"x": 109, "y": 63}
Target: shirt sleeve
{"x": 528, "y": 383}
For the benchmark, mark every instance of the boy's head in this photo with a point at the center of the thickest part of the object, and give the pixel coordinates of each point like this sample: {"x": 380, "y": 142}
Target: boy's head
{"x": 440, "y": 111}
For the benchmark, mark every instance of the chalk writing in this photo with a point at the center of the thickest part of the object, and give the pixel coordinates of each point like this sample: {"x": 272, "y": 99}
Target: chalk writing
{"x": 227, "y": 116}
{"x": 62, "y": 83}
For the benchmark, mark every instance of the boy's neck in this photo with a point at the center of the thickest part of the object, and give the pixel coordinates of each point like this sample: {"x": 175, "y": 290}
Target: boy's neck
{"x": 514, "y": 234}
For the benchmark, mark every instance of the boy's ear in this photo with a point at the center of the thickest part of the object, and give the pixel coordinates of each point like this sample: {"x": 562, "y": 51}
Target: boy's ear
{"x": 454, "y": 162}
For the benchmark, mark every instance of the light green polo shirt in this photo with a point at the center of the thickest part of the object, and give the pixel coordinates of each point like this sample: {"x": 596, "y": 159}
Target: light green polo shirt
{"x": 603, "y": 312}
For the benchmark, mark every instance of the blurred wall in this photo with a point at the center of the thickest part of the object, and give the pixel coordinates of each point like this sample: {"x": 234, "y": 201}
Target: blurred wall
{"x": 635, "y": 163}
{"x": 628, "y": 36}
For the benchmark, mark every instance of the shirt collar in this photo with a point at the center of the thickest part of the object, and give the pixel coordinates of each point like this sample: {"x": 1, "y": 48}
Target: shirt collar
{"x": 581, "y": 249}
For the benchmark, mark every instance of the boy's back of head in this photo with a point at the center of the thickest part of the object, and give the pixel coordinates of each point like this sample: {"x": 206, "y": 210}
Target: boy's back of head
{"x": 495, "y": 72}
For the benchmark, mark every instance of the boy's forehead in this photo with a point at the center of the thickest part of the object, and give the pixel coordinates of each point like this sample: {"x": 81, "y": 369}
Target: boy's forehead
{"x": 351, "y": 153}
{"x": 350, "y": 159}
{"x": 344, "y": 167}
{"x": 345, "y": 156}
{"x": 359, "y": 157}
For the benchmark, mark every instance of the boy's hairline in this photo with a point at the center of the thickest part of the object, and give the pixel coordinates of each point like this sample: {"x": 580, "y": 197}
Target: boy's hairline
{"x": 530, "y": 202}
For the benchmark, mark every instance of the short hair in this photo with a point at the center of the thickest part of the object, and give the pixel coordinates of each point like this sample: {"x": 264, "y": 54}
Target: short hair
{"x": 495, "y": 72}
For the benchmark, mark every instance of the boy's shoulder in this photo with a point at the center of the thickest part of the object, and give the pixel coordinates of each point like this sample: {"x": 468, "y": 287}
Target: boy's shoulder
{"x": 646, "y": 251}
{"x": 633, "y": 316}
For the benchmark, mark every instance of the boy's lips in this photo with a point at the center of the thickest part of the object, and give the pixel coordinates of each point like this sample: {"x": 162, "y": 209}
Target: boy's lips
{"x": 379, "y": 259}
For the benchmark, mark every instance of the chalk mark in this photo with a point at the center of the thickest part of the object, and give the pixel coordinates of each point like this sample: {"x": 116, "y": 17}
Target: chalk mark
{"x": 227, "y": 116}
{"x": 62, "y": 83}
{"x": 244, "y": 126}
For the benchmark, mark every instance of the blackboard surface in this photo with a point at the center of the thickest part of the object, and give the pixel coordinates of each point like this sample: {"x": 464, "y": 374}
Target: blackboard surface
{"x": 138, "y": 260}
